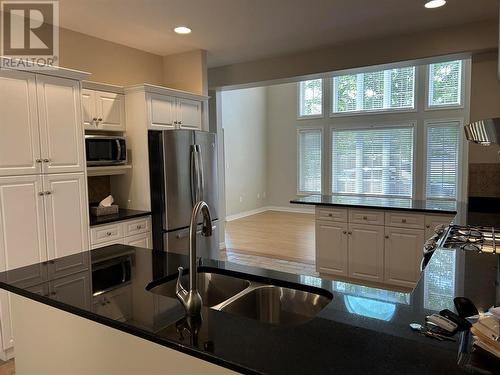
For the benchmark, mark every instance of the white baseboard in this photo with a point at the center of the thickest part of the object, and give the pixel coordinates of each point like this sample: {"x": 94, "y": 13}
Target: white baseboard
{"x": 298, "y": 209}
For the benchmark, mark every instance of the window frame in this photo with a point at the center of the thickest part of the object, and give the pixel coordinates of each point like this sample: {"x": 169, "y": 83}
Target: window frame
{"x": 372, "y": 112}
{"x": 427, "y": 85}
{"x": 460, "y": 157}
{"x": 412, "y": 123}
{"x": 304, "y": 129}
{"x": 300, "y": 98}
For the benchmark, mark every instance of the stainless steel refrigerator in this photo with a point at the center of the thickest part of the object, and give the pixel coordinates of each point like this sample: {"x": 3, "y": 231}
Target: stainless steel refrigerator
{"x": 183, "y": 170}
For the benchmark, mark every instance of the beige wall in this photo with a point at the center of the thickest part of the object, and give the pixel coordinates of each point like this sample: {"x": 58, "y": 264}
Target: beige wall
{"x": 186, "y": 71}
{"x": 471, "y": 38}
{"x": 245, "y": 147}
{"x": 485, "y": 102}
{"x": 109, "y": 62}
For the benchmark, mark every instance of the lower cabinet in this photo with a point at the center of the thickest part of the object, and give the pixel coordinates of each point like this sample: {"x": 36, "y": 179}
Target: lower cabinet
{"x": 331, "y": 247}
{"x": 134, "y": 232}
{"x": 386, "y": 251}
{"x": 115, "y": 304}
{"x": 366, "y": 252}
{"x": 403, "y": 253}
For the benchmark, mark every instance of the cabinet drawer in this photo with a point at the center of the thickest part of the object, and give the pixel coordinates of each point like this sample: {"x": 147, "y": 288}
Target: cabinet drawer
{"x": 366, "y": 217}
{"x": 116, "y": 242}
{"x": 331, "y": 214}
{"x": 137, "y": 226}
{"x": 404, "y": 220}
{"x": 106, "y": 233}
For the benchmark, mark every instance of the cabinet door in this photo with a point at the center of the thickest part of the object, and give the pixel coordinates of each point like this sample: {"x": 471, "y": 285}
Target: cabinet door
{"x": 366, "y": 252}
{"x": 331, "y": 247}
{"x": 61, "y": 133}
{"x": 161, "y": 110}
{"x": 403, "y": 253}
{"x": 140, "y": 240}
{"x": 66, "y": 214}
{"x": 19, "y": 136}
{"x": 110, "y": 111}
{"x": 74, "y": 290}
{"x": 116, "y": 304}
{"x": 22, "y": 230}
{"x": 89, "y": 113}
{"x": 189, "y": 114}
{"x": 432, "y": 221}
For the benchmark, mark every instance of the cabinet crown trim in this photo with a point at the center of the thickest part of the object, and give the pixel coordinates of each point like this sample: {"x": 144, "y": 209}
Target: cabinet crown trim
{"x": 55, "y": 71}
{"x": 100, "y": 86}
{"x": 165, "y": 91}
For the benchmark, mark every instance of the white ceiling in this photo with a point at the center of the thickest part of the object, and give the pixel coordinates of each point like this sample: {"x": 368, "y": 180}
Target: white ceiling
{"x": 242, "y": 30}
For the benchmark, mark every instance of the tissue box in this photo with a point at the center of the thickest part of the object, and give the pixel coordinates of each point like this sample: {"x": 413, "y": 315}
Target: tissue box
{"x": 102, "y": 211}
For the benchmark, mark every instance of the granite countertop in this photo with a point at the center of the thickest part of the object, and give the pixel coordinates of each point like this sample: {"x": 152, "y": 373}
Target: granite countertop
{"x": 363, "y": 330}
{"x": 403, "y": 204}
{"x": 123, "y": 214}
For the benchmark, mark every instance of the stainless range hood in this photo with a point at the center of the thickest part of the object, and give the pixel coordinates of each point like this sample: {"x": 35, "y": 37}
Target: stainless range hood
{"x": 484, "y": 132}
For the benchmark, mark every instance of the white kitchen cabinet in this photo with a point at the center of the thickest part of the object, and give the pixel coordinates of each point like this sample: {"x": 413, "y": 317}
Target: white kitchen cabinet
{"x": 403, "y": 253}
{"x": 133, "y": 232}
{"x": 66, "y": 214}
{"x": 366, "y": 252}
{"x": 19, "y": 136}
{"x": 74, "y": 290}
{"x": 103, "y": 110}
{"x": 162, "y": 112}
{"x": 60, "y": 124}
{"x": 189, "y": 114}
{"x": 331, "y": 247}
{"x": 140, "y": 240}
{"x": 115, "y": 304}
{"x": 22, "y": 222}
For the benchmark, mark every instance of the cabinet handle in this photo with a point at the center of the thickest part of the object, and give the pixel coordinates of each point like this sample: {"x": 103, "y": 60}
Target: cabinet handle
{"x": 403, "y": 220}
{"x": 41, "y": 193}
{"x": 365, "y": 218}
{"x": 38, "y": 160}
{"x": 330, "y": 215}
{"x": 99, "y": 119}
{"x": 46, "y": 160}
{"x": 180, "y": 122}
{"x": 48, "y": 193}
{"x": 386, "y": 236}
{"x": 349, "y": 232}
{"x": 175, "y": 122}
{"x": 139, "y": 227}
{"x": 108, "y": 233}
{"x": 427, "y": 226}
{"x": 345, "y": 232}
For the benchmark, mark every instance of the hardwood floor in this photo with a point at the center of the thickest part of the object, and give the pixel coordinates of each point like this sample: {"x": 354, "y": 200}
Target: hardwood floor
{"x": 7, "y": 368}
{"x": 272, "y": 234}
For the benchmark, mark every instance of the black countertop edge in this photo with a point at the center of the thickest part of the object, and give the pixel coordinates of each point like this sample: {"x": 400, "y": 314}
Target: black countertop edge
{"x": 131, "y": 330}
{"x": 325, "y": 203}
{"x": 123, "y": 214}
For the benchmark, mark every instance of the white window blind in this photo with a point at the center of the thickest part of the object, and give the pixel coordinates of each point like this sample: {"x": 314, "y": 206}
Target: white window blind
{"x": 373, "y": 161}
{"x": 442, "y": 160}
{"x": 310, "y": 150}
{"x": 311, "y": 98}
{"x": 383, "y": 90}
{"x": 445, "y": 83}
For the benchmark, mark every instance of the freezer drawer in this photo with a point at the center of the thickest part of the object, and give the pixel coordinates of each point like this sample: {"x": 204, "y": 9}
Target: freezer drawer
{"x": 207, "y": 247}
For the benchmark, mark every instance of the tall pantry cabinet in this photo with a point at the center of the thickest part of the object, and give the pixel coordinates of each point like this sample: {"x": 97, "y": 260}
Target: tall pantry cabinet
{"x": 43, "y": 197}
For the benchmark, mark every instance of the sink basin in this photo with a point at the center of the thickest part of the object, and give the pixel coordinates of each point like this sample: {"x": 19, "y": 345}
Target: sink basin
{"x": 277, "y": 305}
{"x": 214, "y": 288}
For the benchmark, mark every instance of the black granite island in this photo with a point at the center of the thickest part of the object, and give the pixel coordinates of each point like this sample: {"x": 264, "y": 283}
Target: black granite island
{"x": 61, "y": 326}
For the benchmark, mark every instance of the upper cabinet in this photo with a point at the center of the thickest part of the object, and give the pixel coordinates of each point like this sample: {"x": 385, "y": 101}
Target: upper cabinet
{"x": 40, "y": 126}
{"x": 103, "y": 110}
{"x": 168, "y": 112}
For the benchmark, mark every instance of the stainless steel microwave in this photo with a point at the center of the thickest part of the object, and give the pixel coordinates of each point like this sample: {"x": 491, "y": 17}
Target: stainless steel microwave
{"x": 105, "y": 150}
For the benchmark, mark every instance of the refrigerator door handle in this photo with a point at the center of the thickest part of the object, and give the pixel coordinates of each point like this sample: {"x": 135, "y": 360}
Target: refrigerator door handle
{"x": 201, "y": 178}
{"x": 196, "y": 172}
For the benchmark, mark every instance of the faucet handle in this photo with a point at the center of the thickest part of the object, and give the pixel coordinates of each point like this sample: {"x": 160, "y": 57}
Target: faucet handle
{"x": 179, "y": 289}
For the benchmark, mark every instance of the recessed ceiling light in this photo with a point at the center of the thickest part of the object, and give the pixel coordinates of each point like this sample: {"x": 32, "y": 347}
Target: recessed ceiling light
{"x": 182, "y": 30}
{"x": 430, "y": 4}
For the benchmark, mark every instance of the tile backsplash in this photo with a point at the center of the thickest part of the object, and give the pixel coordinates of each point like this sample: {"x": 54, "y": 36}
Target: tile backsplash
{"x": 484, "y": 180}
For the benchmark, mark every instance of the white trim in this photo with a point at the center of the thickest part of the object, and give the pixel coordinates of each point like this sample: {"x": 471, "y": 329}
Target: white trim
{"x": 440, "y": 107}
{"x": 99, "y": 86}
{"x": 246, "y": 213}
{"x": 297, "y": 210}
{"x": 299, "y": 101}
{"x": 162, "y": 90}
{"x": 56, "y": 71}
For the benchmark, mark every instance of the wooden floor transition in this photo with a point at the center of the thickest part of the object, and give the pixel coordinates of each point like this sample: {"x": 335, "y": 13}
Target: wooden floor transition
{"x": 7, "y": 368}
{"x": 280, "y": 235}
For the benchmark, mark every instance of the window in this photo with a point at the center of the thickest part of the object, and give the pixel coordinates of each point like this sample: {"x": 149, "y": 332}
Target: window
{"x": 309, "y": 142}
{"x": 311, "y": 98}
{"x": 445, "y": 84}
{"x": 442, "y": 160}
{"x": 383, "y": 90}
{"x": 373, "y": 161}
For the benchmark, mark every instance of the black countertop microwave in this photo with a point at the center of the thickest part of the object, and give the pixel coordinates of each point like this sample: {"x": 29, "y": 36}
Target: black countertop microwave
{"x": 105, "y": 150}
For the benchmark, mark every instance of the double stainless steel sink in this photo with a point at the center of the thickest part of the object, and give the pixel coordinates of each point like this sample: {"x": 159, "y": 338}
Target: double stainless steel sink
{"x": 263, "y": 302}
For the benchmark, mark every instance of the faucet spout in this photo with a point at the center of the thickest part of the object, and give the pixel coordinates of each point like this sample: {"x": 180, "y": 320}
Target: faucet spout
{"x": 191, "y": 300}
